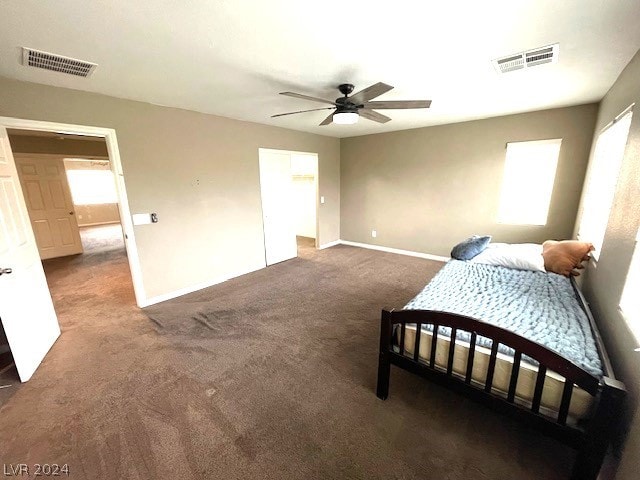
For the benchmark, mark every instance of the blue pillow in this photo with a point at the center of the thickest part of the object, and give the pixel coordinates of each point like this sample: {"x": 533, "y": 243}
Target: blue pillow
{"x": 471, "y": 247}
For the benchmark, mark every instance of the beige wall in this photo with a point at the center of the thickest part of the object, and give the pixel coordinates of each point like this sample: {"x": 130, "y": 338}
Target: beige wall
{"x": 29, "y": 144}
{"x": 427, "y": 189}
{"x": 603, "y": 285}
{"x": 97, "y": 214}
{"x": 198, "y": 172}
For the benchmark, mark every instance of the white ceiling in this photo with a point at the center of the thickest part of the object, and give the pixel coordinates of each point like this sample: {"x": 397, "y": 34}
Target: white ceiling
{"x": 232, "y": 57}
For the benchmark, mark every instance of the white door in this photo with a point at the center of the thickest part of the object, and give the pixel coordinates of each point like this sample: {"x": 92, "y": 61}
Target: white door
{"x": 26, "y": 309}
{"x": 46, "y": 192}
{"x": 277, "y": 212}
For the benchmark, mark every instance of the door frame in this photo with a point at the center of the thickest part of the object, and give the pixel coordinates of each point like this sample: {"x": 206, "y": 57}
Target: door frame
{"x": 316, "y": 182}
{"x": 109, "y": 135}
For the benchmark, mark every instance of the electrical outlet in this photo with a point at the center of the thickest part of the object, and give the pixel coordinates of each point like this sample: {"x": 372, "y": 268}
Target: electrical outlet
{"x": 374, "y": 234}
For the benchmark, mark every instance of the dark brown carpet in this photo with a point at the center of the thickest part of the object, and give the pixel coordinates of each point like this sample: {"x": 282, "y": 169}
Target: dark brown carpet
{"x": 267, "y": 376}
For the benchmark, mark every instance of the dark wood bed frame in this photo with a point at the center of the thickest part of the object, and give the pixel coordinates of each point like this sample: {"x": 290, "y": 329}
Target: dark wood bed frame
{"x": 590, "y": 438}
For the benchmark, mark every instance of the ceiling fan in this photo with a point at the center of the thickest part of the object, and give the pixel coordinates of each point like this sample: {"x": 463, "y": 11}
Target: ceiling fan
{"x": 348, "y": 109}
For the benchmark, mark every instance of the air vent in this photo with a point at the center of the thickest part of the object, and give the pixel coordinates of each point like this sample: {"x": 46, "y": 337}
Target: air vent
{"x": 540, "y": 56}
{"x": 56, "y": 63}
{"x": 530, "y": 58}
{"x": 509, "y": 64}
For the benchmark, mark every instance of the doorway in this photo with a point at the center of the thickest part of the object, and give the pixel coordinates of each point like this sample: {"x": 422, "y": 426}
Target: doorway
{"x": 95, "y": 201}
{"x": 70, "y": 194}
{"x": 289, "y": 193}
{"x": 30, "y": 334}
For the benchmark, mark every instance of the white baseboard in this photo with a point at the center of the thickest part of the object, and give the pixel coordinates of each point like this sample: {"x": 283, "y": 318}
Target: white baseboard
{"x": 183, "y": 291}
{"x": 98, "y": 223}
{"x": 409, "y": 253}
{"x": 330, "y": 244}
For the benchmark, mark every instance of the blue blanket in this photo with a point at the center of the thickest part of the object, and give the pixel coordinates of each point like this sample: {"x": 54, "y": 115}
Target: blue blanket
{"x": 539, "y": 306}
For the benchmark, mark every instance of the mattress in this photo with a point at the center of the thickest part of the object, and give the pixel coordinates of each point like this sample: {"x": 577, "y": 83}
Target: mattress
{"x": 539, "y": 306}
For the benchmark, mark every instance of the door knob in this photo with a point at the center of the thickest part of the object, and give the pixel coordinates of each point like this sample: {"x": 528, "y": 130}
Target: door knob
{"x": 6, "y": 271}
{"x": 70, "y": 213}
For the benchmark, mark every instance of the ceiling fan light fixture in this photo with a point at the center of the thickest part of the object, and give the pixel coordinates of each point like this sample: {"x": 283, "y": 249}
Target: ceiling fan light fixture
{"x": 345, "y": 118}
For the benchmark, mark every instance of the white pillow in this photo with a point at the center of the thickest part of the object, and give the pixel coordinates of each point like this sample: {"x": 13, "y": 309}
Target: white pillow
{"x": 521, "y": 256}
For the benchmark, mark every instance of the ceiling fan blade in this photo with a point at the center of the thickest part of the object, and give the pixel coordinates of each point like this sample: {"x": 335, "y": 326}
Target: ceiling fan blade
{"x": 302, "y": 111}
{"x": 370, "y": 92}
{"x": 307, "y": 97}
{"x": 328, "y": 120}
{"x": 398, "y": 104}
{"x": 375, "y": 116}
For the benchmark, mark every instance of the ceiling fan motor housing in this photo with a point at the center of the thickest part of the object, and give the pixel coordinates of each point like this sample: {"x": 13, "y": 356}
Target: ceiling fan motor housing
{"x": 346, "y": 88}
{"x": 344, "y": 105}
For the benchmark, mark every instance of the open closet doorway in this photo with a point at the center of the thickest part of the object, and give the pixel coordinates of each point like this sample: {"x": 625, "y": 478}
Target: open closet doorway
{"x": 65, "y": 228}
{"x": 304, "y": 177}
{"x": 289, "y": 191}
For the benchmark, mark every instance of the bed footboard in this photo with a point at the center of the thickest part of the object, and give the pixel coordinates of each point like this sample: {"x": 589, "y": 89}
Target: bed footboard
{"x": 591, "y": 440}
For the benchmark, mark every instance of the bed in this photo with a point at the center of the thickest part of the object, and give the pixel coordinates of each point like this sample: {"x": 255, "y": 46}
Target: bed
{"x": 522, "y": 342}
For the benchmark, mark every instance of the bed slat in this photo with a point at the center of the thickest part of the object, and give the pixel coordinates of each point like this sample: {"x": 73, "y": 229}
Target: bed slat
{"x": 452, "y": 349}
{"x": 515, "y": 370}
{"x": 472, "y": 352}
{"x": 434, "y": 343}
{"x": 566, "y": 401}
{"x": 416, "y": 348}
{"x": 403, "y": 332}
{"x": 492, "y": 366}
{"x": 537, "y": 394}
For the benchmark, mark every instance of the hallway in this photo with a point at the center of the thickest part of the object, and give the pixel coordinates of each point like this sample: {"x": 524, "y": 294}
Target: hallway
{"x": 100, "y": 275}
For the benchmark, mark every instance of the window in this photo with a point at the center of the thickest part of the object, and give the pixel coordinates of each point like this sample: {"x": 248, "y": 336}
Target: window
{"x": 529, "y": 173}
{"x": 92, "y": 187}
{"x": 603, "y": 177}
{"x": 630, "y": 301}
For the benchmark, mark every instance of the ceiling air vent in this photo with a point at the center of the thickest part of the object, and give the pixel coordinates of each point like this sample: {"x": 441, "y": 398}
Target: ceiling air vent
{"x": 509, "y": 64}
{"x": 56, "y": 63}
{"x": 530, "y": 58}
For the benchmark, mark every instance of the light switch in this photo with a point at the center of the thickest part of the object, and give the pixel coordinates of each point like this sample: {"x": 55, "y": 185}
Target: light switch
{"x": 141, "y": 218}
{"x": 321, "y": 199}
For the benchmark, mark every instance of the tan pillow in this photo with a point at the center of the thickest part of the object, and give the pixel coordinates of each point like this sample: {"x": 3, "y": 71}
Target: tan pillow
{"x": 563, "y": 257}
